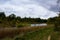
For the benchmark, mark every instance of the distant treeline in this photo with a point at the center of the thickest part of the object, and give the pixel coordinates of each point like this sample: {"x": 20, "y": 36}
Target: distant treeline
{"x": 13, "y": 20}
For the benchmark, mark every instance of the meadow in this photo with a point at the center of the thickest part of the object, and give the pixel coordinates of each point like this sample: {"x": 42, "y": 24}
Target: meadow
{"x": 26, "y": 33}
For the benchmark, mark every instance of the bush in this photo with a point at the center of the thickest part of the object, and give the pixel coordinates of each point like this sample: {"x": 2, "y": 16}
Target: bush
{"x": 20, "y": 25}
{"x": 23, "y": 25}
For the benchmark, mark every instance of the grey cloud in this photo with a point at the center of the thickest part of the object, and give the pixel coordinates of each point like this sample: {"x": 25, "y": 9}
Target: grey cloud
{"x": 49, "y": 4}
{"x": 4, "y": 1}
{"x": 32, "y": 8}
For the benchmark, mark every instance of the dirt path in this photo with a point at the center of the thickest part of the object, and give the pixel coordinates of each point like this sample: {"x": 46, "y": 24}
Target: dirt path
{"x": 49, "y": 37}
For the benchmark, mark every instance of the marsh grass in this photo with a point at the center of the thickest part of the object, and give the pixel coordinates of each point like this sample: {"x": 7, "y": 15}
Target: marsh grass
{"x": 41, "y": 34}
{"x": 26, "y": 33}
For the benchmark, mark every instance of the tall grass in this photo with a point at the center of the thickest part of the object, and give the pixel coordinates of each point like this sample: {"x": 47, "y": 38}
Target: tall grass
{"x": 39, "y": 34}
{"x": 26, "y": 33}
{"x": 55, "y": 36}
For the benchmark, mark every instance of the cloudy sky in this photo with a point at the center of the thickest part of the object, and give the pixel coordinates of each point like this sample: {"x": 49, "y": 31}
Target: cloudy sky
{"x": 30, "y": 8}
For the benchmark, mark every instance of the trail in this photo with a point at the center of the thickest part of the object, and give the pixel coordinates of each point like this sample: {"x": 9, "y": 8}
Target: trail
{"x": 49, "y": 37}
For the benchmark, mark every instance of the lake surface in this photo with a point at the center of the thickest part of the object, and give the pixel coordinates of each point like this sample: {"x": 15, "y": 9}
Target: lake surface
{"x": 42, "y": 24}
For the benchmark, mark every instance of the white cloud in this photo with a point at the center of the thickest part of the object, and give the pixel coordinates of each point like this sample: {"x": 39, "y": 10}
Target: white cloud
{"x": 28, "y": 8}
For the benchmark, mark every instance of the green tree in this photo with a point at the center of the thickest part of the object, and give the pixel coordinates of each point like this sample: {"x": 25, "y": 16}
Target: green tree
{"x": 2, "y": 15}
{"x": 51, "y": 20}
{"x": 12, "y": 20}
{"x": 57, "y": 23}
{"x": 12, "y": 16}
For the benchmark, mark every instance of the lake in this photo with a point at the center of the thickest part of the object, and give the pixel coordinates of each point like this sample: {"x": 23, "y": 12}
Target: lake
{"x": 42, "y": 24}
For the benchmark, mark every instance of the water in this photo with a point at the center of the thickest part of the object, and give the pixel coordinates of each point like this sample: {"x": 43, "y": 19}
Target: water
{"x": 42, "y": 24}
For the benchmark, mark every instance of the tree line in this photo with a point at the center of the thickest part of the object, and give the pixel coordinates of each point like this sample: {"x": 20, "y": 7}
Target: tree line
{"x": 13, "y": 20}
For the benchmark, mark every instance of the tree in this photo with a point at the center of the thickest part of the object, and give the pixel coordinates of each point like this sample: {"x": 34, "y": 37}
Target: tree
{"x": 51, "y": 20}
{"x": 57, "y": 23}
{"x": 2, "y": 15}
{"x": 59, "y": 14}
{"x": 12, "y": 20}
{"x": 11, "y": 17}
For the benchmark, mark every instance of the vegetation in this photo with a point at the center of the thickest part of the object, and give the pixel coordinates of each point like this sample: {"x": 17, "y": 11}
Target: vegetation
{"x": 55, "y": 36}
{"x": 9, "y": 28}
{"x": 56, "y": 22}
{"x": 34, "y": 33}
{"x": 16, "y": 21}
{"x": 41, "y": 34}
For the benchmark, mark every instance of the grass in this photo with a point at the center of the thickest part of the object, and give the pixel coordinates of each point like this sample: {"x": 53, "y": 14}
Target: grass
{"x": 55, "y": 36}
{"x": 41, "y": 34}
{"x": 23, "y": 24}
{"x": 29, "y": 33}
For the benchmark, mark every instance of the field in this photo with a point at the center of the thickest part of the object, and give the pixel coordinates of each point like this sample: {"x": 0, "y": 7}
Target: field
{"x": 25, "y": 33}
{"x": 29, "y": 33}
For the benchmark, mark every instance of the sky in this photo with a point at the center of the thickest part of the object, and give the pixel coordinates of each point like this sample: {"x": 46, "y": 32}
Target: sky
{"x": 30, "y": 8}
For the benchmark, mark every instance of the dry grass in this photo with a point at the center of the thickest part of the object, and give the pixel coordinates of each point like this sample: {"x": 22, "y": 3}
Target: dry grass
{"x": 11, "y": 32}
